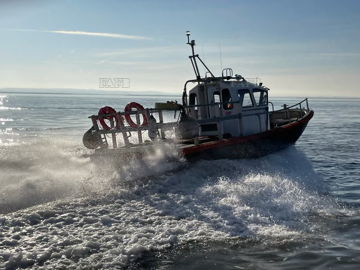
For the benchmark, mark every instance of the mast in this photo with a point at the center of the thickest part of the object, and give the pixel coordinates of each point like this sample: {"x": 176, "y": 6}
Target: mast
{"x": 193, "y": 58}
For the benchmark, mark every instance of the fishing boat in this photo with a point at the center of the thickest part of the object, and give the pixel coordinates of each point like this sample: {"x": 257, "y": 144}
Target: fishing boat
{"x": 223, "y": 116}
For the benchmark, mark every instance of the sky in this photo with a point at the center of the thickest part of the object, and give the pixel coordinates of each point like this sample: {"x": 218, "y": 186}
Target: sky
{"x": 296, "y": 48}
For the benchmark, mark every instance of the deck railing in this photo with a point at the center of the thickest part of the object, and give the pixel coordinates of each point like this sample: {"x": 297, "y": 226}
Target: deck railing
{"x": 127, "y": 131}
{"x": 293, "y": 112}
{"x": 299, "y": 104}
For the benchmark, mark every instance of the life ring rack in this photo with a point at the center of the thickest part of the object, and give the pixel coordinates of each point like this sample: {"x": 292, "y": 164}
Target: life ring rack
{"x": 139, "y": 107}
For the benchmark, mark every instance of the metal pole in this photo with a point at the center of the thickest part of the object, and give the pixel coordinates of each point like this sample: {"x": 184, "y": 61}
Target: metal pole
{"x": 138, "y": 127}
{"x": 205, "y": 66}
{"x": 161, "y": 119}
{"x": 113, "y": 135}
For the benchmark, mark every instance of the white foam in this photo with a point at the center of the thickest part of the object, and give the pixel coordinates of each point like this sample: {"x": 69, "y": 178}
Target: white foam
{"x": 205, "y": 201}
{"x": 42, "y": 171}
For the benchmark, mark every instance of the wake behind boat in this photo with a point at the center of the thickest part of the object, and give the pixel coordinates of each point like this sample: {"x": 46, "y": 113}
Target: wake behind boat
{"x": 220, "y": 117}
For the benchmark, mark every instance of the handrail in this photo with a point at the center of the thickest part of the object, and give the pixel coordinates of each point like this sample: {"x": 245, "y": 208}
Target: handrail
{"x": 212, "y": 79}
{"x": 295, "y": 105}
{"x": 221, "y": 103}
{"x": 272, "y": 105}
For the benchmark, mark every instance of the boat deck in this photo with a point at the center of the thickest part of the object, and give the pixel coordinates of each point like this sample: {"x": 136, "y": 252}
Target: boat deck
{"x": 255, "y": 145}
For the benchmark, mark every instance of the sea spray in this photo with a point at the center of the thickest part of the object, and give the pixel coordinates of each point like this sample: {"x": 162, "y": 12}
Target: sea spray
{"x": 45, "y": 169}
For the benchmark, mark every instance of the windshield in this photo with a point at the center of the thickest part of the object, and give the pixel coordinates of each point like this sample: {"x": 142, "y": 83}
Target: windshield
{"x": 260, "y": 97}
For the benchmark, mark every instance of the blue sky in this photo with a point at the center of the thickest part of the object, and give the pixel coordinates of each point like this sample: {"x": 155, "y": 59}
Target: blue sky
{"x": 297, "y": 48}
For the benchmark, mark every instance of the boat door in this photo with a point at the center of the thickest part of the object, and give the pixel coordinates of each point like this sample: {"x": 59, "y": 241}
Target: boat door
{"x": 228, "y": 108}
{"x": 254, "y": 111}
{"x": 197, "y": 103}
{"x": 214, "y": 101}
{"x": 221, "y": 105}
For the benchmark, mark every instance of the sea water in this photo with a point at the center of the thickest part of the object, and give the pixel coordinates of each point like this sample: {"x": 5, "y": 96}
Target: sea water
{"x": 59, "y": 209}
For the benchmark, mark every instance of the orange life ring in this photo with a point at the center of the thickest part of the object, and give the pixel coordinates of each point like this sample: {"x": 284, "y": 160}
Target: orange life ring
{"x": 139, "y": 107}
{"x": 109, "y": 113}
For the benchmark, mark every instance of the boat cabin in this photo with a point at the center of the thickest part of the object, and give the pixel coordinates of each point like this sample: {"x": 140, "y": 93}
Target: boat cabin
{"x": 229, "y": 107}
{"x": 225, "y": 106}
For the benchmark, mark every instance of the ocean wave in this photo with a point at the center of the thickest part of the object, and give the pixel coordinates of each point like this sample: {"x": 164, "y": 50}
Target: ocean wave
{"x": 4, "y": 108}
{"x": 108, "y": 214}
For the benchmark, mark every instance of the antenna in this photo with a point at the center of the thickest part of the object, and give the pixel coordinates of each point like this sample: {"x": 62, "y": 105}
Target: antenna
{"x": 193, "y": 58}
{"x": 188, "y": 37}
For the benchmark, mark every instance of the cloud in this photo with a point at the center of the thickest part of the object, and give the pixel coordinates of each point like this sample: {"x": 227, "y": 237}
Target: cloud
{"x": 85, "y": 33}
{"x": 96, "y": 34}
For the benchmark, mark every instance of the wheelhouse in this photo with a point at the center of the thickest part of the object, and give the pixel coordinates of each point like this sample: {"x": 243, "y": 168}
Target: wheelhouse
{"x": 225, "y": 106}
{"x": 228, "y": 106}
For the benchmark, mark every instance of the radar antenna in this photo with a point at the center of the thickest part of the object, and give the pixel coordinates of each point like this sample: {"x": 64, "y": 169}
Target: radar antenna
{"x": 193, "y": 58}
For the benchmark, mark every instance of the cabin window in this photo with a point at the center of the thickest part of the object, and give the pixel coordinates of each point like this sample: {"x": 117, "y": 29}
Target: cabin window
{"x": 264, "y": 99}
{"x": 245, "y": 98}
{"x": 226, "y": 98}
{"x": 260, "y": 97}
{"x": 217, "y": 97}
{"x": 257, "y": 96}
{"x": 193, "y": 99}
